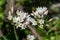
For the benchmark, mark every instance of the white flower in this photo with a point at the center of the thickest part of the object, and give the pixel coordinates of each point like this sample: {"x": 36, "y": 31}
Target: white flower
{"x": 30, "y": 37}
{"x": 50, "y": 19}
{"x": 22, "y": 15}
{"x": 36, "y": 13}
{"x": 21, "y": 25}
{"x": 18, "y": 23}
{"x": 41, "y": 26}
{"x": 44, "y": 9}
{"x": 46, "y": 12}
{"x": 27, "y": 23}
{"x": 29, "y": 19}
{"x": 20, "y": 18}
{"x": 41, "y": 10}
{"x": 41, "y": 21}
{"x": 18, "y": 12}
{"x": 47, "y": 25}
{"x": 16, "y": 19}
{"x": 9, "y": 16}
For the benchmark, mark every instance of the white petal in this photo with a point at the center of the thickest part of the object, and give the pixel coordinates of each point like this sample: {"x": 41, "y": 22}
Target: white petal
{"x": 46, "y": 12}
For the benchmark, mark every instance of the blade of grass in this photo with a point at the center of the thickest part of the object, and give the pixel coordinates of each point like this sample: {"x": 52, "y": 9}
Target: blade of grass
{"x": 15, "y": 34}
{"x": 4, "y": 37}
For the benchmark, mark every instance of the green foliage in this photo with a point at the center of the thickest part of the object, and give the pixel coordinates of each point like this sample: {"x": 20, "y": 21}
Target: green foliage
{"x": 26, "y": 31}
{"x": 2, "y": 2}
{"x": 1, "y": 18}
{"x": 58, "y": 24}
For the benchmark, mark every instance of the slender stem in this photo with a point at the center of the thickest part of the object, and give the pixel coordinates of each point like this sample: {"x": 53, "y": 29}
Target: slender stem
{"x": 15, "y": 33}
{"x": 4, "y": 37}
{"x": 33, "y": 30}
{"x": 1, "y": 35}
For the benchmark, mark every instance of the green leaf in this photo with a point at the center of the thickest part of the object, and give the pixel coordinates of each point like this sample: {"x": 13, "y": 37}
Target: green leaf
{"x": 1, "y": 16}
{"x": 1, "y": 24}
{"x": 1, "y": 9}
{"x": 58, "y": 24}
{"x": 2, "y": 2}
{"x": 52, "y": 38}
{"x": 26, "y": 31}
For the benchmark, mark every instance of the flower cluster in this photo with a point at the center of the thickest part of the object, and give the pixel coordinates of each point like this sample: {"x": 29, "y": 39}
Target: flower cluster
{"x": 39, "y": 14}
{"x": 22, "y": 19}
{"x": 30, "y": 37}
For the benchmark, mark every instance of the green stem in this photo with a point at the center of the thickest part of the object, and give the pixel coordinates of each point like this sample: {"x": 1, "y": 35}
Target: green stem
{"x": 15, "y": 33}
{"x": 4, "y": 37}
{"x": 50, "y": 30}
